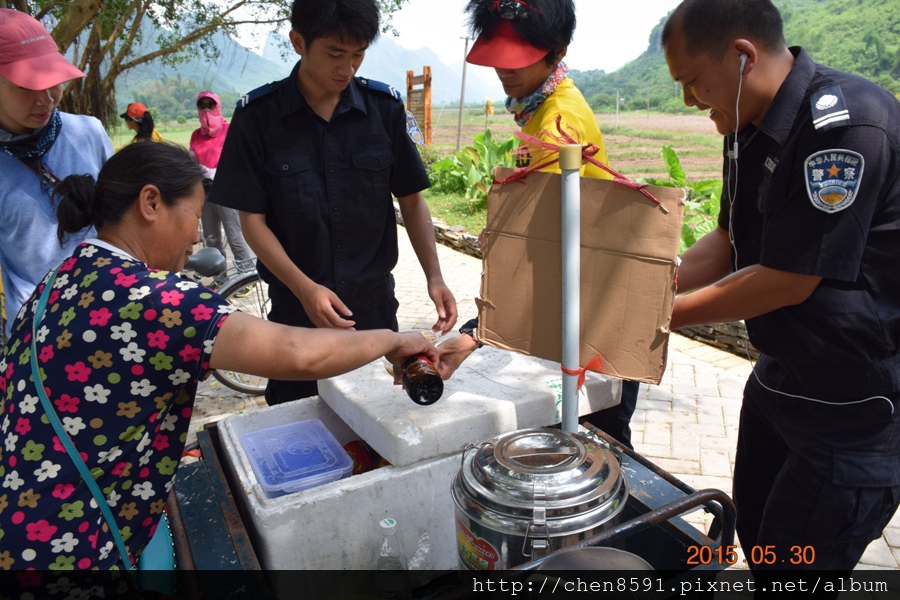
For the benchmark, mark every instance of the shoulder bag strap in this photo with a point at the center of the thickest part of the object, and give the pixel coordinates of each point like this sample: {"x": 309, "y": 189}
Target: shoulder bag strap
{"x": 64, "y": 436}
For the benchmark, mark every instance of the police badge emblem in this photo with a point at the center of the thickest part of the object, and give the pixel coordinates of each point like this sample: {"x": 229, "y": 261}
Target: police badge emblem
{"x": 833, "y": 178}
{"x": 413, "y": 131}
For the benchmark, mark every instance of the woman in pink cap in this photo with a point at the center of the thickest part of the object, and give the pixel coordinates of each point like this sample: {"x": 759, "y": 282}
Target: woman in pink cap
{"x": 206, "y": 145}
{"x": 39, "y": 146}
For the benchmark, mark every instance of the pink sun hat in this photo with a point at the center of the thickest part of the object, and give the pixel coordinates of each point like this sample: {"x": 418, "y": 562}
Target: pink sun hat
{"x": 29, "y": 57}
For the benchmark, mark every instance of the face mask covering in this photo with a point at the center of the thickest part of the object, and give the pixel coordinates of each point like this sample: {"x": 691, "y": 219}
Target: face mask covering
{"x": 211, "y": 121}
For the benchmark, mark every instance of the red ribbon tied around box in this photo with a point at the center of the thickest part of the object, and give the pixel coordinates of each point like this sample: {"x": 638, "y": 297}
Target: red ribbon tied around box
{"x": 548, "y": 154}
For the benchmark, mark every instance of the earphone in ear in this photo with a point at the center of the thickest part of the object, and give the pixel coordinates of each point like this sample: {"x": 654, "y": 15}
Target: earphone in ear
{"x": 744, "y": 58}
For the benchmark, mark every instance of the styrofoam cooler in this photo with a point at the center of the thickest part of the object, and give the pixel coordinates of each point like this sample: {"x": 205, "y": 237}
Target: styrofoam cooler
{"x": 334, "y": 525}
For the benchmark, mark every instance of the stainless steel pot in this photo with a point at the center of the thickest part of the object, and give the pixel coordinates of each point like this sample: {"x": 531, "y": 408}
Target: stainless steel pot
{"x": 524, "y": 494}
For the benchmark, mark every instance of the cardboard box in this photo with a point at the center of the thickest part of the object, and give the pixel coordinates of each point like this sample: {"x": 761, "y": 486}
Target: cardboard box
{"x": 629, "y": 249}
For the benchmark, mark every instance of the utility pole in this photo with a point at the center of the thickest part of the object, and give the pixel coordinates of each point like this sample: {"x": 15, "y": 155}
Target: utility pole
{"x": 617, "y": 108}
{"x": 462, "y": 97}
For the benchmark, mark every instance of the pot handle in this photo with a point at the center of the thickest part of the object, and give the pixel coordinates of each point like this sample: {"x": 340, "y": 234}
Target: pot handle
{"x": 462, "y": 455}
{"x": 537, "y": 528}
{"x": 465, "y": 450}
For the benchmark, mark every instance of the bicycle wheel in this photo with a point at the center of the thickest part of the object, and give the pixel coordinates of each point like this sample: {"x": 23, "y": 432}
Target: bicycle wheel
{"x": 249, "y": 294}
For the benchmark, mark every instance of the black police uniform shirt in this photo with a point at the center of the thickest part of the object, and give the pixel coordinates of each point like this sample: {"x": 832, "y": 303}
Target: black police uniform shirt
{"x": 324, "y": 186}
{"x": 818, "y": 193}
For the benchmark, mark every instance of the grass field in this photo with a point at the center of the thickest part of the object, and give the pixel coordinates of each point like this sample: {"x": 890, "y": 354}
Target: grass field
{"x": 633, "y": 145}
{"x": 634, "y": 149}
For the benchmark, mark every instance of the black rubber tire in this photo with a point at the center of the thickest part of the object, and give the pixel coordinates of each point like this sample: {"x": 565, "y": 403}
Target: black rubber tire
{"x": 257, "y": 303}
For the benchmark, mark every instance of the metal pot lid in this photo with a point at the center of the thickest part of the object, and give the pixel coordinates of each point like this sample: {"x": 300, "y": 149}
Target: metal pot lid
{"x": 566, "y": 473}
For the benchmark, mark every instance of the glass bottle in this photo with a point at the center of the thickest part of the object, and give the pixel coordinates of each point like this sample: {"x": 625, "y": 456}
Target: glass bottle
{"x": 421, "y": 380}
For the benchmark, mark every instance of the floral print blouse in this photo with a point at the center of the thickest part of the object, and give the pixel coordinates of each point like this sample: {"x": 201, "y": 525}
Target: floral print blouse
{"x": 122, "y": 348}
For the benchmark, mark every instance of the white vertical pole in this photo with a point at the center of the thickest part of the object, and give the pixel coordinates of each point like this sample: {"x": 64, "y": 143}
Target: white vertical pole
{"x": 570, "y": 165}
{"x": 617, "y": 108}
{"x": 462, "y": 98}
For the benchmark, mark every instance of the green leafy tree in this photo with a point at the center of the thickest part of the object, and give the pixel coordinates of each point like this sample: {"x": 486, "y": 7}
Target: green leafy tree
{"x": 859, "y": 37}
{"x": 106, "y": 38}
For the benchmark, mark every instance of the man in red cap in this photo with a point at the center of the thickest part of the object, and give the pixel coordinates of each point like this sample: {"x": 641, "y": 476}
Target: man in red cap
{"x": 39, "y": 145}
{"x": 525, "y": 42}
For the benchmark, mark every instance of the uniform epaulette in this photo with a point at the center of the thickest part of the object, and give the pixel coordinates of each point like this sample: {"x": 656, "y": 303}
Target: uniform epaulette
{"x": 829, "y": 110}
{"x": 263, "y": 90}
{"x": 380, "y": 87}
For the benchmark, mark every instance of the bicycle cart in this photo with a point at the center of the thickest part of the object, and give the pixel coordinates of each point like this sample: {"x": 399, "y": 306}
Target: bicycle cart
{"x": 652, "y": 527}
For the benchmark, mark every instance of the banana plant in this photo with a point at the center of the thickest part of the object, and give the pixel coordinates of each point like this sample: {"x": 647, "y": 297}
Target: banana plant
{"x": 701, "y": 207}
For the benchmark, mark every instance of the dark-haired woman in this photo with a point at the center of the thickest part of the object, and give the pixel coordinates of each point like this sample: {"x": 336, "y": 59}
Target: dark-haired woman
{"x": 121, "y": 345}
{"x": 139, "y": 120}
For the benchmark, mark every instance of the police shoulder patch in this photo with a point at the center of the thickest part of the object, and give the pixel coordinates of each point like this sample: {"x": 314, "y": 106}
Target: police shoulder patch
{"x": 828, "y": 108}
{"x": 413, "y": 131}
{"x": 263, "y": 90}
{"x": 833, "y": 178}
{"x": 380, "y": 87}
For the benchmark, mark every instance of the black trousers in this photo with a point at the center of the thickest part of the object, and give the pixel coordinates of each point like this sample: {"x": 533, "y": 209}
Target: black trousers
{"x": 615, "y": 421}
{"x": 814, "y": 483}
{"x": 379, "y": 315}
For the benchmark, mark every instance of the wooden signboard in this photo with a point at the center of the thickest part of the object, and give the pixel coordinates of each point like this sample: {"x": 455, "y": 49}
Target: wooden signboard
{"x": 418, "y": 100}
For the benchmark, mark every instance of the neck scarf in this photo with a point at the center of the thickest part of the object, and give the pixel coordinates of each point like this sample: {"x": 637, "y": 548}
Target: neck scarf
{"x": 36, "y": 144}
{"x": 523, "y": 109}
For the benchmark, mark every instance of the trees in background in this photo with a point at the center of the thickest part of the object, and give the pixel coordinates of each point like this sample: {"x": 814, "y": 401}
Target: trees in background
{"x": 857, "y": 36}
{"x": 106, "y": 38}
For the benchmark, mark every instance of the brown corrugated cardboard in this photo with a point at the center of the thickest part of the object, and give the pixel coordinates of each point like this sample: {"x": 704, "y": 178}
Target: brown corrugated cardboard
{"x": 628, "y": 262}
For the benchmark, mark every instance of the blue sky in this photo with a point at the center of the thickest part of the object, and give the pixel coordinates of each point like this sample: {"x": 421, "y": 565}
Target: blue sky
{"x": 609, "y": 34}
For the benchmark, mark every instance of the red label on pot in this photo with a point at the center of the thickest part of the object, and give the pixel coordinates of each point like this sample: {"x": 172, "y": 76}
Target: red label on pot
{"x": 476, "y": 552}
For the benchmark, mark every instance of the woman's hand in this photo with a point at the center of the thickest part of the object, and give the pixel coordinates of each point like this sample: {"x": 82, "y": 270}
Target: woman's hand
{"x": 410, "y": 344}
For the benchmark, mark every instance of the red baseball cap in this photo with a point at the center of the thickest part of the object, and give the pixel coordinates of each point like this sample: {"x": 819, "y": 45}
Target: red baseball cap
{"x": 504, "y": 49}
{"x": 135, "y": 112}
{"x": 28, "y": 55}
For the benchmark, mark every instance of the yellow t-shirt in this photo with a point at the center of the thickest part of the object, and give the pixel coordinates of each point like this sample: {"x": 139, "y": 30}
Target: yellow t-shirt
{"x": 568, "y": 101}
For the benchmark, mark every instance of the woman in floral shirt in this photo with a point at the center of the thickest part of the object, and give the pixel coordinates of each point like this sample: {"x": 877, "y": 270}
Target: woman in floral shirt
{"x": 122, "y": 345}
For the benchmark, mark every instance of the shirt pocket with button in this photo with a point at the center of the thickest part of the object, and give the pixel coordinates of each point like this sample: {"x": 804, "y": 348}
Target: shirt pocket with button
{"x": 373, "y": 172}
{"x": 293, "y": 183}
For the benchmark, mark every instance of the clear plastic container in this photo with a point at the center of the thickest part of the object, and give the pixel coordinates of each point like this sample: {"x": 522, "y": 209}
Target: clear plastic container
{"x": 296, "y": 456}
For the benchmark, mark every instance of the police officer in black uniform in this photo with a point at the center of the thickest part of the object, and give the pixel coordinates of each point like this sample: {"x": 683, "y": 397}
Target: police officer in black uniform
{"x": 806, "y": 251}
{"x": 312, "y": 162}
